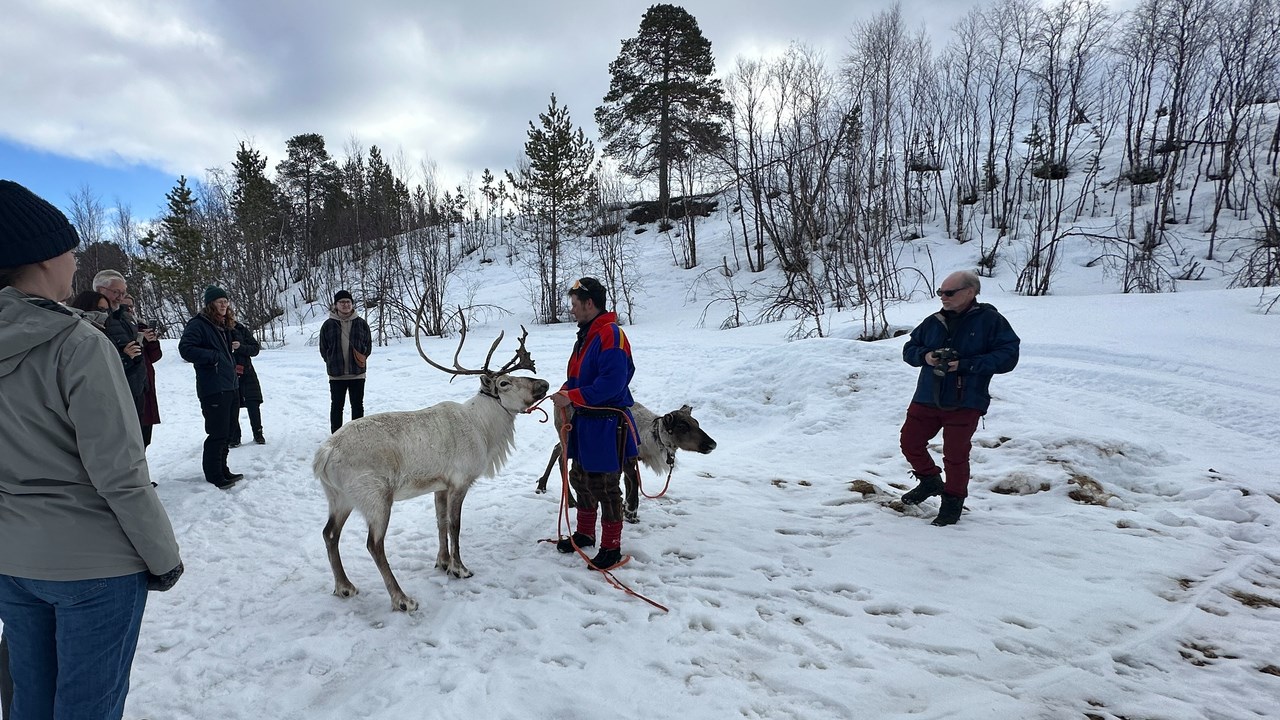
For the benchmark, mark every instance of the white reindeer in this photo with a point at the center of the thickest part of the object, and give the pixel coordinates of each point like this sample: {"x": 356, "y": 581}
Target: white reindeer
{"x": 372, "y": 462}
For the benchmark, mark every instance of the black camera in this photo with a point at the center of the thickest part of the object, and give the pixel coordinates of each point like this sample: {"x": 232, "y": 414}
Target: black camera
{"x": 944, "y": 356}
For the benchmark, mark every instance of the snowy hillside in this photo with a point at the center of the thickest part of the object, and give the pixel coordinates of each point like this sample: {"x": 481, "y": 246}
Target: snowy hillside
{"x": 1118, "y": 556}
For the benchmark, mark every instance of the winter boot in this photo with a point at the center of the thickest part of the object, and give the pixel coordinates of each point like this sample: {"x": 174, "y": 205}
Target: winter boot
{"x": 950, "y": 512}
{"x": 228, "y": 475}
{"x": 605, "y": 559}
{"x": 929, "y": 486}
{"x": 565, "y": 545}
{"x": 259, "y": 439}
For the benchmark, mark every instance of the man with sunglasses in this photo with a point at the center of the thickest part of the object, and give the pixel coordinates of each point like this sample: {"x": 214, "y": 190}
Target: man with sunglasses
{"x": 957, "y": 349}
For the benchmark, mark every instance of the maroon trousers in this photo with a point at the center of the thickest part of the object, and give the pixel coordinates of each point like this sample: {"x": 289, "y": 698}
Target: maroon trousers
{"x": 957, "y": 426}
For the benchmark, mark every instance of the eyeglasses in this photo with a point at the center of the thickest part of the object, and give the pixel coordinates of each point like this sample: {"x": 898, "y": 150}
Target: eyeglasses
{"x": 950, "y": 293}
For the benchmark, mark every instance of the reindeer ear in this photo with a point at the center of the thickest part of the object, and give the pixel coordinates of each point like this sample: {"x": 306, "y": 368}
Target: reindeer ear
{"x": 667, "y": 421}
{"x": 686, "y": 408}
{"x": 486, "y": 384}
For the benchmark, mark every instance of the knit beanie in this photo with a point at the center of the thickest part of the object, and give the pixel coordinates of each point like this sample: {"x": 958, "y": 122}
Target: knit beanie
{"x": 31, "y": 230}
{"x": 341, "y": 295}
{"x": 589, "y": 288}
{"x": 213, "y": 292}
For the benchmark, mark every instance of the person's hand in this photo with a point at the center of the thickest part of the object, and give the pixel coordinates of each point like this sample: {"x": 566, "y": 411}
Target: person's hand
{"x": 561, "y": 400}
{"x": 235, "y": 345}
{"x": 149, "y": 334}
{"x": 132, "y": 350}
{"x": 161, "y": 583}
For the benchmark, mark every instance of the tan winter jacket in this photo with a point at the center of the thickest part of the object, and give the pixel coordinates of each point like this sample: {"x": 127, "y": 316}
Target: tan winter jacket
{"x": 76, "y": 501}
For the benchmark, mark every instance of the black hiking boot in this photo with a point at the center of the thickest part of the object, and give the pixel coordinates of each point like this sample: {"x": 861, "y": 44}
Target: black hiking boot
{"x": 950, "y": 512}
{"x": 233, "y": 444}
{"x": 605, "y": 559}
{"x": 257, "y": 438}
{"x": 929, "y": 486}
{"x": 565, "y": 545}
{"x": 222, "y": 484}
{"x": 228, "y": 475}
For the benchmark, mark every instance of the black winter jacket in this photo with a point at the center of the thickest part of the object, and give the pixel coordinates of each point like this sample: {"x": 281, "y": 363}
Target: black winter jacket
{"x": 337, "y": 364}
{"x": 122, "y": 330}
{"x": 986, "y": 344}
{"x": 208, "y": 347}
{"x": 250, "y": 388}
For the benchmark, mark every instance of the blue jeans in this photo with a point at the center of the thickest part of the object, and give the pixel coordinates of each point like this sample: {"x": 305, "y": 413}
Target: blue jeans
{"x": 71, "y": 644}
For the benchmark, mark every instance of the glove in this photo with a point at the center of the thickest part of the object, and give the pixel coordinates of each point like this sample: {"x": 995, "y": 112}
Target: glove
{"x": 161, "y": 583}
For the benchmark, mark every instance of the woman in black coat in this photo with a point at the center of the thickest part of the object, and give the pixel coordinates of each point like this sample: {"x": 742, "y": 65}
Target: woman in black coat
{"x": 250, "y": 388}
{"x": 207, "y": 343}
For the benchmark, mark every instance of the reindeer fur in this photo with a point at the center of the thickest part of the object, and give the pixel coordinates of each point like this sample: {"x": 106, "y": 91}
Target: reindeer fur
{"x": 377, "y": 460}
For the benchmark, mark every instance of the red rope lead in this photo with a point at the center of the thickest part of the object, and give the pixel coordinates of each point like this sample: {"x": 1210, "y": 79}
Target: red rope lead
{"x": 562, "y": 516}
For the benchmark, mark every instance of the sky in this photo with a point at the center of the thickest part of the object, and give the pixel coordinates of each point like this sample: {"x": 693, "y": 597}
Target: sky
{"x": 123, "y": 97}
{"x": 790, "y": 594}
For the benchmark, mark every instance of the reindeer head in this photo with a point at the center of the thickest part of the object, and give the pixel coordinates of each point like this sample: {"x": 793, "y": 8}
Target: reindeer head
{"x": 684, "y": 431}
{"x": 516, "y": 394}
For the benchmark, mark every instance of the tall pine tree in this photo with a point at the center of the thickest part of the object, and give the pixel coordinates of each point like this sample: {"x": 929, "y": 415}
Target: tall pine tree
{"x": 307, "y": 175}
{"x": 663, "y": 106}
{"x": 177, "y": 256}
{"x": 556, "y": 185}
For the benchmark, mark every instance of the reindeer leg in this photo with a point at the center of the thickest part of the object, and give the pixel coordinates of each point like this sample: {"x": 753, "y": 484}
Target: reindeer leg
{"x": 342, "y": 586}
{"x": 631, "y": 475}
{"x": 443, "y": 558}
{"x": 457, "y": 569}
{"x": 542, "y": 481}
{"x": 378, "y": 522}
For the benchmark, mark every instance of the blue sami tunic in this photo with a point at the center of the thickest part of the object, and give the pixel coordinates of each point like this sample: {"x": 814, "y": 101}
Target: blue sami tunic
{"x": 600, "y": 370}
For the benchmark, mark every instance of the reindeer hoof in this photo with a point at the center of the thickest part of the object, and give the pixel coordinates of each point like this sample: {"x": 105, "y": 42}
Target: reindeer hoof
{"x": 631, "y": 516}
{"x": 541, "y": 489}
{"x": 404, "y": 604}
{"x": 460, "y": 572}
{"x": 345, "y": 591}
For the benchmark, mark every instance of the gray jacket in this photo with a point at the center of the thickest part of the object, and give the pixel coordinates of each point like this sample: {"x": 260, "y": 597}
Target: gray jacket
{"x": 76, "y": 501}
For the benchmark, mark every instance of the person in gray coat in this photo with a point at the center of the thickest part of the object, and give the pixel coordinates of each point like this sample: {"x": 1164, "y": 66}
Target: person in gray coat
{"x": 84, "y": 534}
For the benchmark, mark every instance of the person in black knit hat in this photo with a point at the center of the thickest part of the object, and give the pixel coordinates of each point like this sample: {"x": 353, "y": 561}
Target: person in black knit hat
{"x": 345, "y": 344}
{"x": 209, "y": 344}
{"x": 85, "y": 534}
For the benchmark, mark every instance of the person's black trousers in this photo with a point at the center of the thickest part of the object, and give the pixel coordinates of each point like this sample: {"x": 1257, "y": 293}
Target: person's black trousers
{"x": 221, "y": 411}
{"x": 338, "y": 391}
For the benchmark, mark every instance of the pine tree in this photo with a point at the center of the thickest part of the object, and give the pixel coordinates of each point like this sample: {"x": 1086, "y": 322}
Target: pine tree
{"x": 663, "y": 106}
{"x": 258, "y": 213}
{"x": 307, "y": 175}
{"x": 556, "y": 185}
{"x": 177, "y": 256}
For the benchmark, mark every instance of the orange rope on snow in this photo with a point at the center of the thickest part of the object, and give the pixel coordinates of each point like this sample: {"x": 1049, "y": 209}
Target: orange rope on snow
{"x": 562, "y": 515}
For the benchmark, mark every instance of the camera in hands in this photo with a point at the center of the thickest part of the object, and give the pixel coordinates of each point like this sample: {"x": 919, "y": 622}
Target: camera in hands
{"x": 944, "y": 356}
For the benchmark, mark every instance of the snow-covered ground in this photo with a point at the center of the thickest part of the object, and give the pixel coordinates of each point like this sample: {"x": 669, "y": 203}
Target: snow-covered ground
{"x": 792, "y": 593}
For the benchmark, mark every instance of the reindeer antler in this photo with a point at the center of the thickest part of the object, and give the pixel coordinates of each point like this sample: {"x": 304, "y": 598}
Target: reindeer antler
{"x": 522, "y": 360}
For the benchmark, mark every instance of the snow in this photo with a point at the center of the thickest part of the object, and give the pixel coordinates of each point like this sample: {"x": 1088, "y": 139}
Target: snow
{"x": 790, "y": 595}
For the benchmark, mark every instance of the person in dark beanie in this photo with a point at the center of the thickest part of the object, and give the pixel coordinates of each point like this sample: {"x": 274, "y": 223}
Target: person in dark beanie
{"x": 345, "y": 345}
{"x": 208, "y": 344}
{"x": 601, "y": 440}
{"x": 250, "y": 390}
{"x": 84, "y": 533}
{"x": 958, "y": 349}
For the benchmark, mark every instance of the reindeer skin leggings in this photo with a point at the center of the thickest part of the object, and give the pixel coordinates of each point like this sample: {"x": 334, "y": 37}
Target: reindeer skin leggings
{"x": 602, "y": 488}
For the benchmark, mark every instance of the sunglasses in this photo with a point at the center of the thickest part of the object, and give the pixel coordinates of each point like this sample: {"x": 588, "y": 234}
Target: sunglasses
{"x": 950, "y": 293}
{"x": 577, "y": 285}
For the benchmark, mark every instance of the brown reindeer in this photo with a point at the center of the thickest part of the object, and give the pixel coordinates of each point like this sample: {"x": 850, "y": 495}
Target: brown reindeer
{"x": 371, "y": 463}
{"x": 660, "y": 438}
